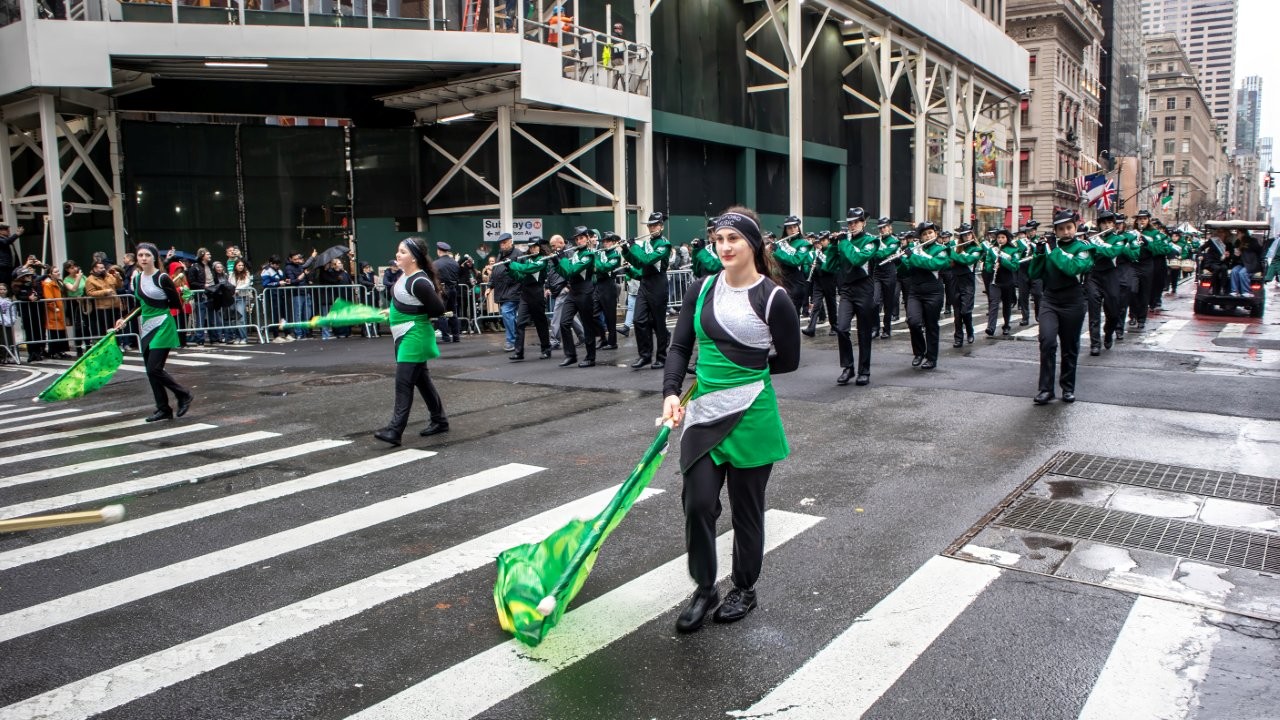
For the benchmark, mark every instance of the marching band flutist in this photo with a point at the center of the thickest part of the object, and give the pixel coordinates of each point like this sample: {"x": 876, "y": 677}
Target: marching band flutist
{"x": 649, "y": 257}
{"x": 1060, "y": 261}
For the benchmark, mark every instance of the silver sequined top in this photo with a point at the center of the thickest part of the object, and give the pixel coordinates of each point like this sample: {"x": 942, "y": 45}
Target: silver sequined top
{"x": 735, "y": 314}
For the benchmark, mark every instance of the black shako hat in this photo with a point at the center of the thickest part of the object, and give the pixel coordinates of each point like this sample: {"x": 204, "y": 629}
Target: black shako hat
{"x": 1143, "y": 214}
{"x": 882, "y": 222}
{"x": 1106, "y": 216}
{"x": 791, "y": 220}
{"x": 1063, "y": 217}
{"x": 964, "y": 229}
{"x": 581, "y": 230}
{"x": 655, "y": 218}
{"x": 856, "y": 214}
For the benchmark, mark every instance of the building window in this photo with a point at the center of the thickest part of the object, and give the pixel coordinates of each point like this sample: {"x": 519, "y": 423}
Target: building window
{"x": 1187, "y": 103}
{"x": 1167, "y": 168}
{"x": 1024, "y": 167}
{"x": 1168, "y": 146}
{"x": 1186, "y": 145}
{"x": 1031, "y": 66}
{"x": 1152, "y": 105}
{"x": 1186, "y": 123}
{"x": 1171, "y": 103}
{"x": 1186, "y": 167}
{"x": 1170, "y": 124}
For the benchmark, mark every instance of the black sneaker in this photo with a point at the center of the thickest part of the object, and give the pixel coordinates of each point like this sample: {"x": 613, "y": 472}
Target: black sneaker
{"x": 159, "y": 415}
{"x": 736, "y": 605}
{"x": 434, "y": 428}
{"x": 696, "y": 612}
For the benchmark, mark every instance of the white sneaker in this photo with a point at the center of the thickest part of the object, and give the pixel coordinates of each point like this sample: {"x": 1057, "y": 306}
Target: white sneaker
{"x": 1248, "y": 295}
{"x": 280, "y": 339}
{"x": 1235, "y": 294}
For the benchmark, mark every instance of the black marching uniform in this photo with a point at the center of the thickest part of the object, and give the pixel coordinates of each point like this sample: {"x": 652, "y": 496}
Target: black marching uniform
{"x": 963, "y": 287}
{"x": 532, "y": 273}
{"x": 885, "y": 279}
{"x": 853, "y": 259}
{"x": 1102, "y": 289}
{"x": 650, "y": 257}
{"x": 1001, "y": 292}
{"x": 608, "y": 260}
{"x": 822, "y": 293}
{"x": 1062, "y": 313}
{"x": 578, "y": 268}
{"x": 924, "y": 306}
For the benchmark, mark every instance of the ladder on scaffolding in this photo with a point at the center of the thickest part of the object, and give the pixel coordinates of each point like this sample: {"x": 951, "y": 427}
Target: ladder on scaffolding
{"x": 471, "y": 15}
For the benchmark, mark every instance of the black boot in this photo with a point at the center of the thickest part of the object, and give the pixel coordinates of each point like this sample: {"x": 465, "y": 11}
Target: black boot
{"x": 702, "y": 603}
{"x": 640, "y": 362}
{"x": 434, "y": 428}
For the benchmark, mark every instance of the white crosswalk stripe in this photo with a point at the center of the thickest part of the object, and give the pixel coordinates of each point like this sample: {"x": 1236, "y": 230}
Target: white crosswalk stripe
{"x": 67, "y": 434}
{"x": 1164, "y": 333}
{"x": 37, "y": 416}
{"x": 110, "y": 442}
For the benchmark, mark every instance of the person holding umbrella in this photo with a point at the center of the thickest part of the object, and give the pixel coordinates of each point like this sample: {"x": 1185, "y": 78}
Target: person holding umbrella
{"x": 745, "y": 331}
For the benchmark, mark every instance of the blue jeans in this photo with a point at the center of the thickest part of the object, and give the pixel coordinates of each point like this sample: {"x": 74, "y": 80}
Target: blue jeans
{"x": 1239, "y": 279}
{"x": 241, "y": 317}
{"x": 200, "y": 316}
{"x": 631, "y": 310}
{"x": 301, "y": 312}
{"x": 509, "y": 320}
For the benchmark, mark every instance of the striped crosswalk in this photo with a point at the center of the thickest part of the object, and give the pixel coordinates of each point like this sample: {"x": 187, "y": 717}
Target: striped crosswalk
{"x": 276, "y": 528}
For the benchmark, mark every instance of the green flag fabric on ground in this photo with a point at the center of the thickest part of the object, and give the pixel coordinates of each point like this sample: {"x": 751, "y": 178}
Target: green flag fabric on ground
{"x": 91, "y": 371}
{"x": 344, "y": 314}
{"x": 537, "y": 581}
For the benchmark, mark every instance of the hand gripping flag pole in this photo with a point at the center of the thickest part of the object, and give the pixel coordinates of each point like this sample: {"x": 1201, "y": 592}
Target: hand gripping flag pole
{"x": 537, "y": 581}
{"x": 90, "y": 371}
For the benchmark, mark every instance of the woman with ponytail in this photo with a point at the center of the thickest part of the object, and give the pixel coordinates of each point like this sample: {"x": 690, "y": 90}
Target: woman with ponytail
{"x": 156, "y": 295}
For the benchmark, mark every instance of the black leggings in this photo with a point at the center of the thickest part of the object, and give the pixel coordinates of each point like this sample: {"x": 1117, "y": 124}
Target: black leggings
{"x": 411, "y": 375}
{"x": 701, "y": 497}
{"x": 160, "y": 379}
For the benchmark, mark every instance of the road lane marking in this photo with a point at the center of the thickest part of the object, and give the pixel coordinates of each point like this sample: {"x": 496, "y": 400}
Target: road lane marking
{"x": 1157, "y": 664}
{"x": 850, "y": 674}
{"x": 98, "y": 599}
{"x": 178, "y": 451}
{"x": 69, "y": 363}
{"x": 1232, "y": 330}
{"x": 1031, "y": 332}
{"x": 135, "y": 679}
{"x": 1164, "y": 333}
{"x": 110, "y": 442}
{"x": 65, "y": 434}
{"x": 17, "y": 411}
{"x": 40, "y": 415}
{"x": 478, "y": 683}
{"x": 70, "y": 433}
{"x": 151, "y": 523}
{"x": 159, "y": 482}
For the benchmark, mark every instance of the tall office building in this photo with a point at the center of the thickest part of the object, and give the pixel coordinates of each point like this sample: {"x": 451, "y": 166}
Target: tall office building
{"x": 1248, "y": 115}
{"x": 1206, "y": 30}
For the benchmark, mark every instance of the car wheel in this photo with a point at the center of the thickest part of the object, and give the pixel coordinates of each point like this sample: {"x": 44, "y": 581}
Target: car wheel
{"x": 1200, "y": 307}
{"x": 1256, "y": 310}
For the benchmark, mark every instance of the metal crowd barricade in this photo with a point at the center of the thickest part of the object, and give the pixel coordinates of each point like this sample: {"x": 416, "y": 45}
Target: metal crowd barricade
{"x": 299, "y": 304}
{"x": 65, "y": 325}
{"x": 220, "y": 324}
{"x": 678, "y": 282}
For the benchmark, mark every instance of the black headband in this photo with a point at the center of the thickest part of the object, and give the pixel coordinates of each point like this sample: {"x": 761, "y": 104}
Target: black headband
{"x": 155, "y": 252}
{"x": 745, "y": 227}
{"x": 416, "y": 249}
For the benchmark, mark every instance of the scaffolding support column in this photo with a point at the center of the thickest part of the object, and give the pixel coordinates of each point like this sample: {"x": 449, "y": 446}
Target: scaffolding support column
{"x": 644, "y": 138}
{"x": 52, "y": 180}
{"x": 1015, "y": 173}
{"x": 949, "y": 174}
{"x": 970, "y": 129}
{"x": 620, "y": 176}
{"x": 506, "y": 213}
{"x": 117, "y": 191}
{"x": 886, "y": 122}
{"x": 795, "y": 107}
{"x": 9, "y": 214}
{"x": 919, "y": 186}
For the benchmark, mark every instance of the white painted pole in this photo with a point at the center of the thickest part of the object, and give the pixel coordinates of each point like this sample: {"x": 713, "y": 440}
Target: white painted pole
{"x": 949, "y": 212}
{"x": 115, "y": 158}
{"x": 644, "y": 142}
{"x": 795, "y": 107}
{"x": 506, "y": 214}
{"x": 970, "y": 214}
{"x": 886, "y": 120}
{"x": 7, "y": 213}
{"x": 620, "y": 176}
{"x": 921, "y": 157}
{"x": 1015, "y": 173}
{"x": 52, "y": 179}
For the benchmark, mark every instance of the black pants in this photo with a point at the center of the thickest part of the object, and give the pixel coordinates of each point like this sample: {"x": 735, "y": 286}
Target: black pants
{"x": 886, "y": 293}
{"x": 1159, "y": 277}
{"x": 1061, "y": 319}
{"x": 607, "y": 304}
{"x": 450, "y": 327}
{"x": 798, "y": 291}
{"x": 1126, "y": 287}
{"x": 1102, "y": 293}
{"x": 1175, "y": 277}
{"x": 857, "y": 300}
{"x": 701, "y": 498}
{"x": 1023, "y": 283}
{"x": 579, "y": 301}
{"x": 533, "y": 309}
{"x": 1140, "y": 300}
{"x": 987, "y": 277}
{"x": 651, "y": 318}
{"x": 999, "y": 299}
{"x": 410, "y": 376}
{"x": 823, "y": 296}
{"x": 962, "y": 303}
{"x": 160, "y": 379}
{"x": 948, "y": 279}
{"x": 923, "y": 309}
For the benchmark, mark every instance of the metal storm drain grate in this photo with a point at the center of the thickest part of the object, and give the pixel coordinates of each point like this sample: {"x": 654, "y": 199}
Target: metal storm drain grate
{"x": 1196, "y": 541}
{"x": 1210, "y": 483}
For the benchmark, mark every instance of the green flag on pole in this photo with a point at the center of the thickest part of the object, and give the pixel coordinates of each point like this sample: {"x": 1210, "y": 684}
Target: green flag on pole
{"x": 91, "y": 371}
{"x": 343, "y": 314}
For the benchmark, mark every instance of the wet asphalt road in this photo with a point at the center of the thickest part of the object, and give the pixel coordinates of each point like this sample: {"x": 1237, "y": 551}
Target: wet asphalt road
{"x": 889, "y": 475}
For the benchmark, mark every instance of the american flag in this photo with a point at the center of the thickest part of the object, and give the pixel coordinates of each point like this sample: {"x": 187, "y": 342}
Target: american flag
{"x": 1082, "y": 185}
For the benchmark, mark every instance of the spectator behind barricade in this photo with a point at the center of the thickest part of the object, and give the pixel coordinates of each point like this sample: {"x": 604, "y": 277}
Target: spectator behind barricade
{"x": 101, "y": 287}
{"x": 506, "y": 291}
{"x": 296, "y": 277}
{"x": 8, "y": 318}
{"x": 26, "y": 295}
{"x": 633, "y": 289}
{"x": 55, "y": 315}
{"x": 178, "y": 272}
{"x": 337, "y": 281}
{"x": 128, "y": 265}
{"x": 242, "y": 279}
{"x": 73, "y": 289}
{"x": 8, "y": 252}
{"x": 486, "y": 273}
{"x": 199, "y": 278}
{"x": 272, "y": 276}
{"x": 221, "y": 296}
{"x": 234, "y": 254}
{"x": 366, "y": 280}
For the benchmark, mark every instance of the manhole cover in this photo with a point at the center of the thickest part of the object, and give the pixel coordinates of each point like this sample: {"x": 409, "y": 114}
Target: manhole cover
{"x": 347, "y": 379}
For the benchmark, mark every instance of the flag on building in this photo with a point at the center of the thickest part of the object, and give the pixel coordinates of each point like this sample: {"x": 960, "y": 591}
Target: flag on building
{"x": 1101, "y": 195}
{"x": 1090, "y": 187}
{"x": 1082, "y": 184}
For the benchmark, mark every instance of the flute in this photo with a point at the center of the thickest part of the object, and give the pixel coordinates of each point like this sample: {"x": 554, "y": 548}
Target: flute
{"x": 903, "y": 251}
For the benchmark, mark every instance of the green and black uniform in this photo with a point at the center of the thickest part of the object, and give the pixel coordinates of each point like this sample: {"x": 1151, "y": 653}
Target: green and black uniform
{"x": 156, "y": 295}
{"x": 530, "y": 271}
{"x": 1102, "y": 289}
{"x": 578, "y": 268}
{"x": 414, "y": 301}
{"x": 607, "y": 261}
{"x": 704, "y": 261}
{"x": 1062, "y": 310}
{"x": 795, "y": 256}
{"x": 852, "y": 259}
{"x": 1002, "y": 291}
{"x": 924, "y": 307}
{"x": 732, "y": 428}
{"x": 649, "y": 257}
{"x": 963, "y": 287}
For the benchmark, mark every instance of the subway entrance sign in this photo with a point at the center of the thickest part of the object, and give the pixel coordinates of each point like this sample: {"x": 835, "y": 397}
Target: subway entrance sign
{"x": 521, "y": 229}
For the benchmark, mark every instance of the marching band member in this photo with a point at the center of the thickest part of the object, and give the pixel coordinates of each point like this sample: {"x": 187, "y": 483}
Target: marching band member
{"x": 795, "y": 257}
{"x": 1102, "y": 287}
{"x": 1151, "y": 246}
{"x": 531, "y": 272}
{"x": 1004, "y": 257}
{"x": 1060, "y": 261}
{"x": 156, "y": 294}
{"x": 923, "y": 261}
{"x": 1126, "y": 273}
{"x": 649, "y": 258}
{"x": 852, "y": 261}
{"x": 704, "y": 261}
{"x": 415, "y": 299}
{"x": 823, "y": 295}
{"x": 885, "y": 276}
{"x": 607, "y": 262}
{"x": 1029, "y": 290}
{"x": 963, "y": 282}
{"x": 578, "y": 268}
{"x": 744, "y": 332}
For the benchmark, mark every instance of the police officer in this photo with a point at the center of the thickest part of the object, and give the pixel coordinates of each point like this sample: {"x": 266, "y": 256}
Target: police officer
{"x": 852, "y": 260}
{"x": 577, "y": 266}
{"x": 964, "y": 253}
{"x": 1060, "y": 261}
{"x": 531, "y": 272}
{"x": 608, "y": 260}
{"x": 885, "y": 277}
{"x": 649, "y": 257}
{"x": 449, "y": 273}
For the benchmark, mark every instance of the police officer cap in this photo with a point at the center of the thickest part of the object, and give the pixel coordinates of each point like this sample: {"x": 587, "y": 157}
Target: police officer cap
{"x": 926, "y": 225}
{"x": 580, "y": 231}
{"x": 655, "y": 218}
{"x": 964, "y": 229}
{"x": 1143, "y": 213}
{"x": 882, "y": 222}
{"x": 856, "y": 214}
{"x": 791, "y": 220}
{"x": 443, "y": 246}
{"x": 504, "y": 237}
{"x": 1063, "y": 217}
{"x": 1106, "y": 216}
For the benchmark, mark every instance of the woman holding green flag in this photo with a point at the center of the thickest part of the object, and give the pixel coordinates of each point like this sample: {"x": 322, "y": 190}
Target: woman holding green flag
{"x": 415, "y": 299}
{"x": 745, "y": 329}
{"x": 156, "y": 294}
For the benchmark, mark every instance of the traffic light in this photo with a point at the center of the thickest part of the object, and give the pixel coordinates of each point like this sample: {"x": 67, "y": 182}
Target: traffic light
{"x": 1266, "y": 180}
{"x": 1164, "y": 188}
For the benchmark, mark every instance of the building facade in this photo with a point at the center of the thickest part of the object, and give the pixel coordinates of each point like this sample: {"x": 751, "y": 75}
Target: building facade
{"x": 1186, "y": 145}
{"x": 1060, "y": 126}
{"x": 1206, "y": 30}
{"x": 1248, "y": 115}
{"x": 1123, "y": 104}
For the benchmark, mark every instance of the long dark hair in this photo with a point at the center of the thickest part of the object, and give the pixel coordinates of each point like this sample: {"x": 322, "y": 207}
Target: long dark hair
{"x": 764, "y": 262}
{"x": 418, "y": 248}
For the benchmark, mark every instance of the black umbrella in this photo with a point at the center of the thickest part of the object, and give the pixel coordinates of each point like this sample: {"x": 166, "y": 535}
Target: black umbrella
{"x": 321, "y": 259}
